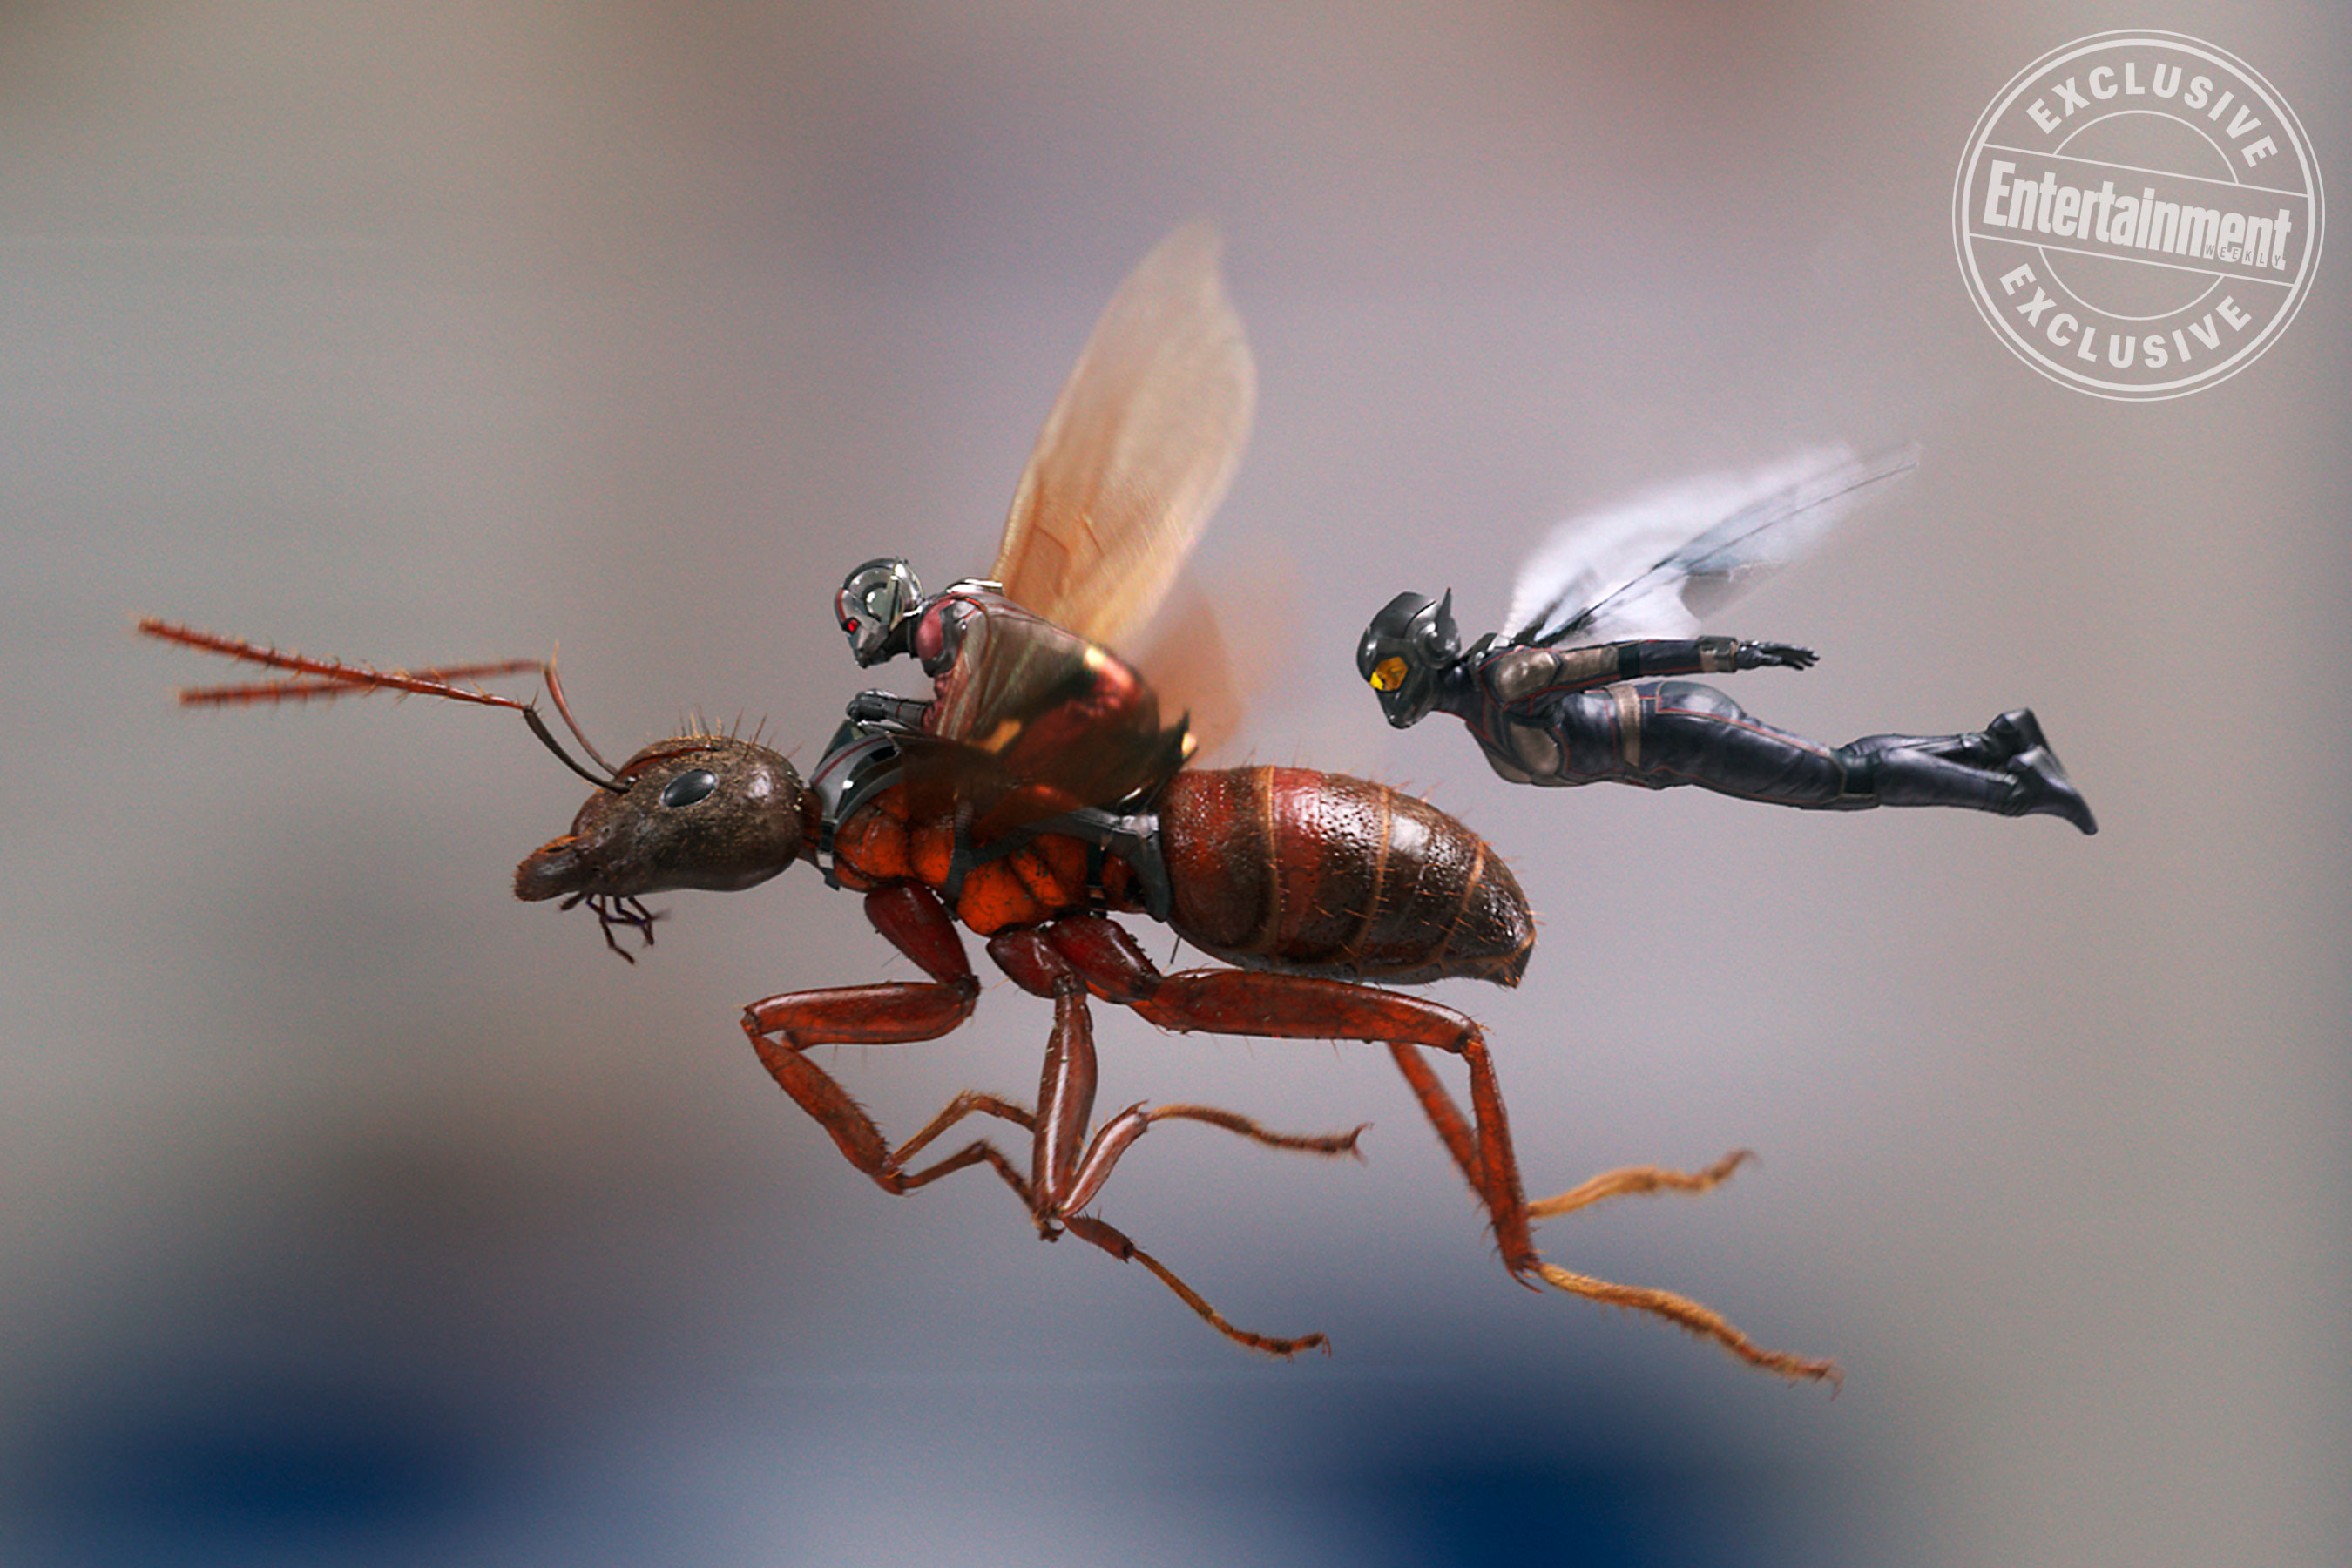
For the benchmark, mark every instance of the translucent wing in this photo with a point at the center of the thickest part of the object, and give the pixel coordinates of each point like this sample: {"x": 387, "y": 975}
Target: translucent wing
{"x": 1655, "y": 566}
{"x": 1210, "y": 667}
{"x": 1138, "y": 450}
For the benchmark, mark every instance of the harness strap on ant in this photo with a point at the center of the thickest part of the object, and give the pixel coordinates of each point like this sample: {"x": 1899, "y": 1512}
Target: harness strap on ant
{"x": 1130, "y": 837}
{"x": 862, "y": 762}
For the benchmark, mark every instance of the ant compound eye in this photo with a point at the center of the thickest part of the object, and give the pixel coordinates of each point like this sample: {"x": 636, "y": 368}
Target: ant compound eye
{"x": 687, "y": 788}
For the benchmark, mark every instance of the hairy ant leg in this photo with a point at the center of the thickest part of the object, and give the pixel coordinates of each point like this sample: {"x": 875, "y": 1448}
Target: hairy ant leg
{"x": 783, "y": 1028}
{"x": 1069, "y": 1165}
{"x": 1065, "y": 960}
{"x": 1290, "y": 1007}
{"x": 1633, "y": 1181}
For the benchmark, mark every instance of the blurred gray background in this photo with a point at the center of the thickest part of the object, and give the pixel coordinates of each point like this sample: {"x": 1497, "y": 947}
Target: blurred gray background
{"x": 353, "y": 1212}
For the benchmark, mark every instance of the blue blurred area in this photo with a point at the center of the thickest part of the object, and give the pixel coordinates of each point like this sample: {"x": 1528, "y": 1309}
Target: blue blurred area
{"x": 227, "y": 1468}
{"x": 234, "y": 1468}
{"x": 421, "y": 1359}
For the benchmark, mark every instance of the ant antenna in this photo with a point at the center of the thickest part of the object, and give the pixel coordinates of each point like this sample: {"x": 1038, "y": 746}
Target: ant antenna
{"x": 612, "y": 780}
{"x": 322, "y": 679}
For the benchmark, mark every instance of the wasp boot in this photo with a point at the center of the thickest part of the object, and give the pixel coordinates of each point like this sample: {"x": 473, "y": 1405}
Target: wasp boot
{"x": 2042, "y": 789}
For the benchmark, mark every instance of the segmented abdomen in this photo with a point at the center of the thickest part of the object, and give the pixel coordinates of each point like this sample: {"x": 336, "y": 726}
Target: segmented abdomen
{"x": 1317, "y": 873}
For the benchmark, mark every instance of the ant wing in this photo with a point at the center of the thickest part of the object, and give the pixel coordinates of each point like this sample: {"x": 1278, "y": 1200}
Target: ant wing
{"x": 1210, "y": 668}
{"x": 1655, "y": 566}
{"x": 1137, "y": 451}
{"x": 949, "y": 780}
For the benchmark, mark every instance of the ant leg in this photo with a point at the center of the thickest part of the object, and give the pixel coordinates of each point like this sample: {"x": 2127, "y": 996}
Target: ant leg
{"x": 962, "y": 1106}
{"x": 1041, "y": 963}
{"x": 1283, "y": 1006}
{"x": 1069, "y": 1168}
{"x": 1106, "y": 956}
{"x": 1702, "y": 1320}
{"x": 1116, "y": 1135}
{"x": 1635, "y": 1179}
{"x": 1123, "y": 1129}
{"x": 1099, "y": 1233}
{"x": 1116, "y": 1243}
{"x": 783, "y": 1028}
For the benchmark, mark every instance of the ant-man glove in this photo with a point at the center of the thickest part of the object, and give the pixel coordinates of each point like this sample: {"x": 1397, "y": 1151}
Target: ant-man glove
{"x": 883, "y": 708}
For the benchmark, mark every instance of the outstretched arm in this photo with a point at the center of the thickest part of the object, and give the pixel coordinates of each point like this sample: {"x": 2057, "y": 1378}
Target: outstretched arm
{"x": 1701, "y": 656}
{"x": 1517, "y": 674}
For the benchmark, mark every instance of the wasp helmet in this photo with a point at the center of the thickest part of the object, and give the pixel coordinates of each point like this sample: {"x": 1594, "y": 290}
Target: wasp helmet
{"x": 1405, "y": 653}
{"x": 876, "y": 603}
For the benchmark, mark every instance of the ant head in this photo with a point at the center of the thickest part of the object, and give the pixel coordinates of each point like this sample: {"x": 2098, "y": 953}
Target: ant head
{"x": 700, "y": 811}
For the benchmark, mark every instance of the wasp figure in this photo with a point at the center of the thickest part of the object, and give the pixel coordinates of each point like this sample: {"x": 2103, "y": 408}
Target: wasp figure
{"x": 1038, "y": 802}
{"x": 1582, "y": 690}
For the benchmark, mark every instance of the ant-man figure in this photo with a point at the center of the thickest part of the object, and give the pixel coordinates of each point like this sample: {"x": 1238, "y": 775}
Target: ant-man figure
{"x": 1052, "y": 709}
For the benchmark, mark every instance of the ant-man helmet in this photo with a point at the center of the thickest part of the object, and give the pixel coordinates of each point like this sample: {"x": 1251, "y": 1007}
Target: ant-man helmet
{"x": 1405, "y": 653}
{"x": 876, "y": 607}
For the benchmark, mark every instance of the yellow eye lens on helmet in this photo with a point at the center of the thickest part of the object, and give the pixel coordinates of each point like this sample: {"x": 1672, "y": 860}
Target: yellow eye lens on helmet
{"x": 1389, "y": 674}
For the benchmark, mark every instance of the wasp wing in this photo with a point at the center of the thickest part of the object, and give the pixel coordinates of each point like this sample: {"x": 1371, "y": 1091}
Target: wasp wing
{"x": 1137, "y": 451}
{"x": 1655, "y": 566}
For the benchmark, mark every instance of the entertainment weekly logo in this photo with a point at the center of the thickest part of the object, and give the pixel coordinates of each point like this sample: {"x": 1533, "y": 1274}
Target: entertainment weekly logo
{"x": 2137, "y": 215}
